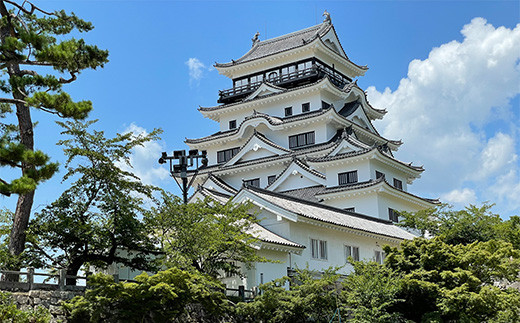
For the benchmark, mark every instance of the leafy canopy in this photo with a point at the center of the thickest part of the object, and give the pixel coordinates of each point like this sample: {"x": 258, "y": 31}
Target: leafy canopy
{"x": 100, "y": 214}
{"x": 205, "y": 235}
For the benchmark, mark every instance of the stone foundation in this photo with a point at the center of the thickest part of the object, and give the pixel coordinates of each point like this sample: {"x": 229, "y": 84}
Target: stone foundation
{"x": 48, "y": 299}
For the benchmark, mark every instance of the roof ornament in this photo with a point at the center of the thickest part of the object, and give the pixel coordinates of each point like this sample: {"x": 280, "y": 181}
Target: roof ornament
{"x": 255, "y": 38}
{"x": 327, "y": 17}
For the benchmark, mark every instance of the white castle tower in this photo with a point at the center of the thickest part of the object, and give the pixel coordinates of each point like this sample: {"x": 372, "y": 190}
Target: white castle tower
{"x": 296, "y": 138}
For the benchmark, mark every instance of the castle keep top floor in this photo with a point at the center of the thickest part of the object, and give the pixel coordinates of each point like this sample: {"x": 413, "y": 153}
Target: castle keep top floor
{"x": 289, "y": 61}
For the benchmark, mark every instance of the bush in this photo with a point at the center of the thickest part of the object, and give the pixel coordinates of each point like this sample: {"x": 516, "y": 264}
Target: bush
{"x": 10, "y": 313}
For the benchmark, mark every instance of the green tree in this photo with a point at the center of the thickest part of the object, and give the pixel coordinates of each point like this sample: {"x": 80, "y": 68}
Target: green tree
{"x": 465, "y": 226}
{"x": 206, "y": 235}
{"x": 456, "y": 283}
{"x": 308, "y": 296}
{"x": 172, "y": 295}
{"x": 32, "y": 40}
{"x": 99, "y": 215}
{"x": 369, "y": 293}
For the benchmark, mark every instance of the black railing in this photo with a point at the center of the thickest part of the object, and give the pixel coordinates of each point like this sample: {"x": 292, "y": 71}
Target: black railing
{"x": 284, "y": 80}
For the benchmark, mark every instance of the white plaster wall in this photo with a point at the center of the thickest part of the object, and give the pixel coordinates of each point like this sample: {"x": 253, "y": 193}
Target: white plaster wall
{"x": 275, "y": 109}
{"x": 362, "y": 167}
{"x": 235, "y": 180}
{"x": 390, "y": 173}
{"x": 364, "y": 203}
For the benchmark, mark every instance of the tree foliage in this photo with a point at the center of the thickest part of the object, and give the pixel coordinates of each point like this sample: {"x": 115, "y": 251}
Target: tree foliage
{"x": 465, "y": 226}
{"x": 462, "y": 283}
{"x": 10, "y": 313}
{"x": 37, "y": 57}
{"x": 206, "y": 235}
{"x": 99, "y": 215}
{"x": 173, "y": 295}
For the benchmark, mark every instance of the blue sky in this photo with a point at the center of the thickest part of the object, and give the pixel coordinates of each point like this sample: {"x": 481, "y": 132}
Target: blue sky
{"x": 451, "y": 96}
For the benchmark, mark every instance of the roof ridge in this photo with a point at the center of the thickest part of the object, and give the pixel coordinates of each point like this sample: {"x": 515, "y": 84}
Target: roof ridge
{"x": 315, "y": 204}
{"x": 292, "y": 34}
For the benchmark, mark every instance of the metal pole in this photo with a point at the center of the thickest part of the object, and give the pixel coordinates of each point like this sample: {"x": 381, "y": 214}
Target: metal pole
{"x": 185, "y": 190}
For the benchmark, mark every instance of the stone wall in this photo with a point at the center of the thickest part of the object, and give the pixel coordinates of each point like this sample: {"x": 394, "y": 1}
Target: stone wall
{"x": 48, "y": 299}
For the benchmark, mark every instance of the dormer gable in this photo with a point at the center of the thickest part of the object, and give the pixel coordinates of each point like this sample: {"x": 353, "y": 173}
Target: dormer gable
{"x": 258, "y": 146}
{"x": 264, "y": 89}
{"x": 348, "y": 144}
{"x": 355, "y": 112}
{"x": 331, "y": 40}
{"x": 215, "y": 184}
{"x": 296, "y": 175}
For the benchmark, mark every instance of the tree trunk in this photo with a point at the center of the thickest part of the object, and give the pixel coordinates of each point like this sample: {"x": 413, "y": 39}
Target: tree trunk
{"x": 25, "y": 128}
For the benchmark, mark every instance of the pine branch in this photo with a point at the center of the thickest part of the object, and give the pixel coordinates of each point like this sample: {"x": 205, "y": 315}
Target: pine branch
{"x": 33, "y": 8}
{"x": 12, "y": 101}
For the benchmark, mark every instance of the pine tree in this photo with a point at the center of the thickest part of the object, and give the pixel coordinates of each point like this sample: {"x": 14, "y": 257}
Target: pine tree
{"x": 33, "y": 41}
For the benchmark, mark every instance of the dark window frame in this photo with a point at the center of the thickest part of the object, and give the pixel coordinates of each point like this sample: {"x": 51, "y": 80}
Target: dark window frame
{"x": 302, "y": 139}
{"x": 226, "y": 154}
{"x": 393, "y": 215}
{"x": 288, "y": 111}
{"x": 306, "y": 107}
{"x": 349, "y": 177}
{"x": 232, "y": 124}
{"x": 271, "y": 179}
{"x": 379, "y": 174}
{"x": 398, "y": 184}
{"x": 255, "y": 182}
{"x": 350, "y": 209}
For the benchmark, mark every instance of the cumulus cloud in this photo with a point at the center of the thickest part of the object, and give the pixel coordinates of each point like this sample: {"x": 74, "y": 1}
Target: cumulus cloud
{"x": 460, "y": 197}
{"x": 144, "y": 159}
{"x": 445, "y": 108}
{"x": 196, "y": 69}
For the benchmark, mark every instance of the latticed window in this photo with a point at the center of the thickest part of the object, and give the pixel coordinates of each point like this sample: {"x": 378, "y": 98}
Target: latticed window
{"x": 398, "y": 184}
{"x": 306, "y": 107}
{"x": 288, "y": 111}
{"x": 347, "y": 178}
{"x": 302, "y": 139}
{"x": 225, "y": 155}
{"x": 393, "y": 215}
{"x": 351, "y": 251}
{"x": 253, "y": 182}
{"x": 319, "y": 249}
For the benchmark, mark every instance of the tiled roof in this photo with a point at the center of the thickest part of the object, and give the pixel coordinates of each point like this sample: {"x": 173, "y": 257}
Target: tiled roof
{"x": 332, "y": 215}
{"x": 280, "y": 44}
{"x": 361, "y": 152}
{"x": 306, "y": 193}
{"x": 225, "y": 186}
{"x": 369, "y": 183}
{"x": 266, "y": 235}
{"x": 215, "y": 195}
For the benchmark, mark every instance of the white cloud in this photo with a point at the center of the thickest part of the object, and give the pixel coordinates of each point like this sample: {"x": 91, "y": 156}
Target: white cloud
{"x": 144, "y": 159}
{"x": 196, "y": 69}
{"x": 460, "y": 197}
{"x": 446, "y": 104}
{"x": 498, "y": 154}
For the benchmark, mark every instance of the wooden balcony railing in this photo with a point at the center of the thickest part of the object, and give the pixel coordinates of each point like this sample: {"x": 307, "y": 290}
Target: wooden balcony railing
{"x": 284, "y": 80}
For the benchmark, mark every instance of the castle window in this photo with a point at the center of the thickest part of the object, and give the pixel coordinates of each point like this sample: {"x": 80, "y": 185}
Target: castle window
{"x": 398, "y": 184}
{"x": 257, "y": 78}
{"x": 272, "y": 76}
{"x": 232, "y": 124}
{"x": 271, "y": 179}
{"x": 301, "y": 140}
{"x": 348, "y": 177}
{"x": 306, "y": 107}
{"x": 253, "y": 182}
{"x": 324, "y": 105}
{"x": 319, "y": 249}
{"x": 241, "y": 82}
{"x": 379, "y": 175}
{"x": 393, "y": 215}
{"x": 288, "y": 111}
{"x": 379, "y": 256}
{"x": 225, "y": 155}
{"x": 351, "y": 251}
